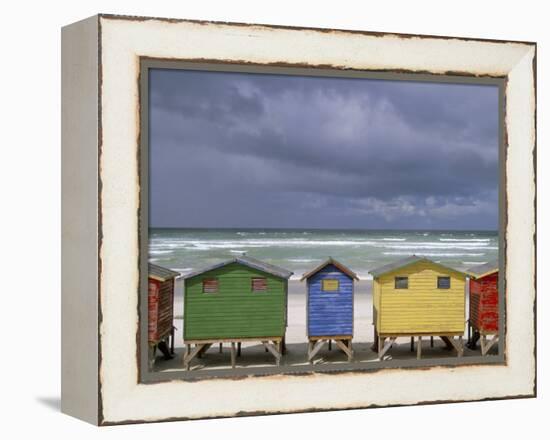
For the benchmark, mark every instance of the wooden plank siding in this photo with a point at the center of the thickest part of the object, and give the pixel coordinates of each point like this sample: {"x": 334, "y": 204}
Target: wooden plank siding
{"x": 422, "y": 307}
{"x": 235, "y": 311}
{"x": 153, "y": 299}
{"x": 161, "y": 309}
{"x": 376, "y": 303}
{"x": 330, "y": 313}
{"x": 166, "y": 308}
{"x": 484, "y": 303}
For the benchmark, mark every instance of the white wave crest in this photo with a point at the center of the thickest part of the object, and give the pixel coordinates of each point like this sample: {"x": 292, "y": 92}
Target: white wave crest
{"x": 463, "y": 246}
{"x": 465, "y": 239}
{"x": 436, "y": 254}
{"x": 302, "y": 260}
{"x": 159, "y": 252}
{"x": 259, "y": 243}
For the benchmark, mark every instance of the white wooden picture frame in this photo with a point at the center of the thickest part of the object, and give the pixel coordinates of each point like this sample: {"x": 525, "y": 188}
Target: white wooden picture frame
{"x": 101, "y": 199}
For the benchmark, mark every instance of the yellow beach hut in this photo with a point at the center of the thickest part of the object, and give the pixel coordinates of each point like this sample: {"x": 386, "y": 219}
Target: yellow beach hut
{"x": 416, "y": 297}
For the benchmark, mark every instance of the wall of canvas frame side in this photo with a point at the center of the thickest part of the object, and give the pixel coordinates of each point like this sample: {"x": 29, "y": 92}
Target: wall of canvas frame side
{"x": 422, "y": 307}
{"x": 79, "y": 217}
{"x": 235, "y": 311}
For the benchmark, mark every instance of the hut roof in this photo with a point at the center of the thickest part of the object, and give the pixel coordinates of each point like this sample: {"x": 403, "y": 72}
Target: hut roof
{"x": 246, "y": 261}
{"x": 339, "y": 265}
{"x": 161, "y": 273}
{"x": 483, "y": 270}
{"x": 407, "y": 261}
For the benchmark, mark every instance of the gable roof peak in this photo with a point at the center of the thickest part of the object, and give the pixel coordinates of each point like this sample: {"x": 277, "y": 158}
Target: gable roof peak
{"x": 407, "y": 261}
{"x": 246, "y": 261}
{"x": 331, "y": 261}
{"x": 483, "y": 270}
{"x": 161, "y": 273}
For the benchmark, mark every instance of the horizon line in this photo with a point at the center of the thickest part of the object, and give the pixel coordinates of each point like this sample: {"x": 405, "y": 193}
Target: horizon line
{"x": 322, "y": 229}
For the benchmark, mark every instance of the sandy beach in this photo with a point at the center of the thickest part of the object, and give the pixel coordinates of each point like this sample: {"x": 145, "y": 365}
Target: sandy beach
{"x": 254, "y": 355}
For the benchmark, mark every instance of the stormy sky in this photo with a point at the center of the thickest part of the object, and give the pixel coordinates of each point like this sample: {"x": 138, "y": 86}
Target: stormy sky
{"x": 278, "y": 151}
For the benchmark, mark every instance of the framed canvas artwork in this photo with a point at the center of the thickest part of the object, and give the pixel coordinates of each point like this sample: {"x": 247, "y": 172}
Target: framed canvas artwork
{"x": 297, "y": 209}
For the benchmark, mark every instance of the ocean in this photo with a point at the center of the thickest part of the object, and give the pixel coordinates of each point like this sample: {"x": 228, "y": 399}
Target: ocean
{"x": 300, "y": 250}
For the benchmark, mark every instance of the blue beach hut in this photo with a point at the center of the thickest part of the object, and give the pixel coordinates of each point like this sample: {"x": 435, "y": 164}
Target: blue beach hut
{"x": 330, "y": 307}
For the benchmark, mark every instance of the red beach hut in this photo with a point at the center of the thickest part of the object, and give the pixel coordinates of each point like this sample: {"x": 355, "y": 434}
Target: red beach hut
{"x": 484, "y": 305}
{"x": 161, "y": 310}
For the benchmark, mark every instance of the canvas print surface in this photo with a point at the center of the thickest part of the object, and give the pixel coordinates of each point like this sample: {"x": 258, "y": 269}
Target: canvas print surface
{"x": 305, "y": 222}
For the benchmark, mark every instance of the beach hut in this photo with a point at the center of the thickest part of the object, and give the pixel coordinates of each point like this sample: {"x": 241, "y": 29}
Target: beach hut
{"x": 483, "y": 320}
{"x": 330, "y": 307}
{"x": 160, "y": 310}
{"x": 236, "y": 301}
{"x": 416, "y": 297}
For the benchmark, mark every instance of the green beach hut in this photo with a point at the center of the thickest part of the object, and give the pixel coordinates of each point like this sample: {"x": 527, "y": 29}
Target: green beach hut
{"x": 239, "y": 300}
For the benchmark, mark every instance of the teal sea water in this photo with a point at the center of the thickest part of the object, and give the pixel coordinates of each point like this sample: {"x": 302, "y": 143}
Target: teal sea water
{"x": 300, "y": 250}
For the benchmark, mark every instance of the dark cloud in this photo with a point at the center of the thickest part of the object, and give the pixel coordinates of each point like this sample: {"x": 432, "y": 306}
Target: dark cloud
{"x": 245, "y": 150}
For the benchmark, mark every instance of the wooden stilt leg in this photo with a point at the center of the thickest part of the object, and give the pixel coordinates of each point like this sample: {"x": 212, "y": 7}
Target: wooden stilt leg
{"x": 475, "y": 338}
{"x": 457, "y": 344}
{"x": 275, "y": 349}
{"x": 232, "y": 355}
{"x": 448, "y": 342}
{"x": 190, "y": 354}
{"x": 329, "y": 344}
{"x": 151, "y": 357}
{"x": 203, "y": 349}
{"x": 315, "y": 348}
{"x": 374, "y": 346}
{"x": 431, "y": 341}
{"x": 419, "y": 348}
{"x": 486, "y": 345}
{"x": 384, "y": 346}
{"x": 239, "y": 349}
{"x": 345, "y": 348}
{"x": 186, "y": 353}
{"x": 172, "y": 337}
{"x": 350, "y": 349}
{"x": 412, "y": 343}
{"x": 221, "y": 347}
